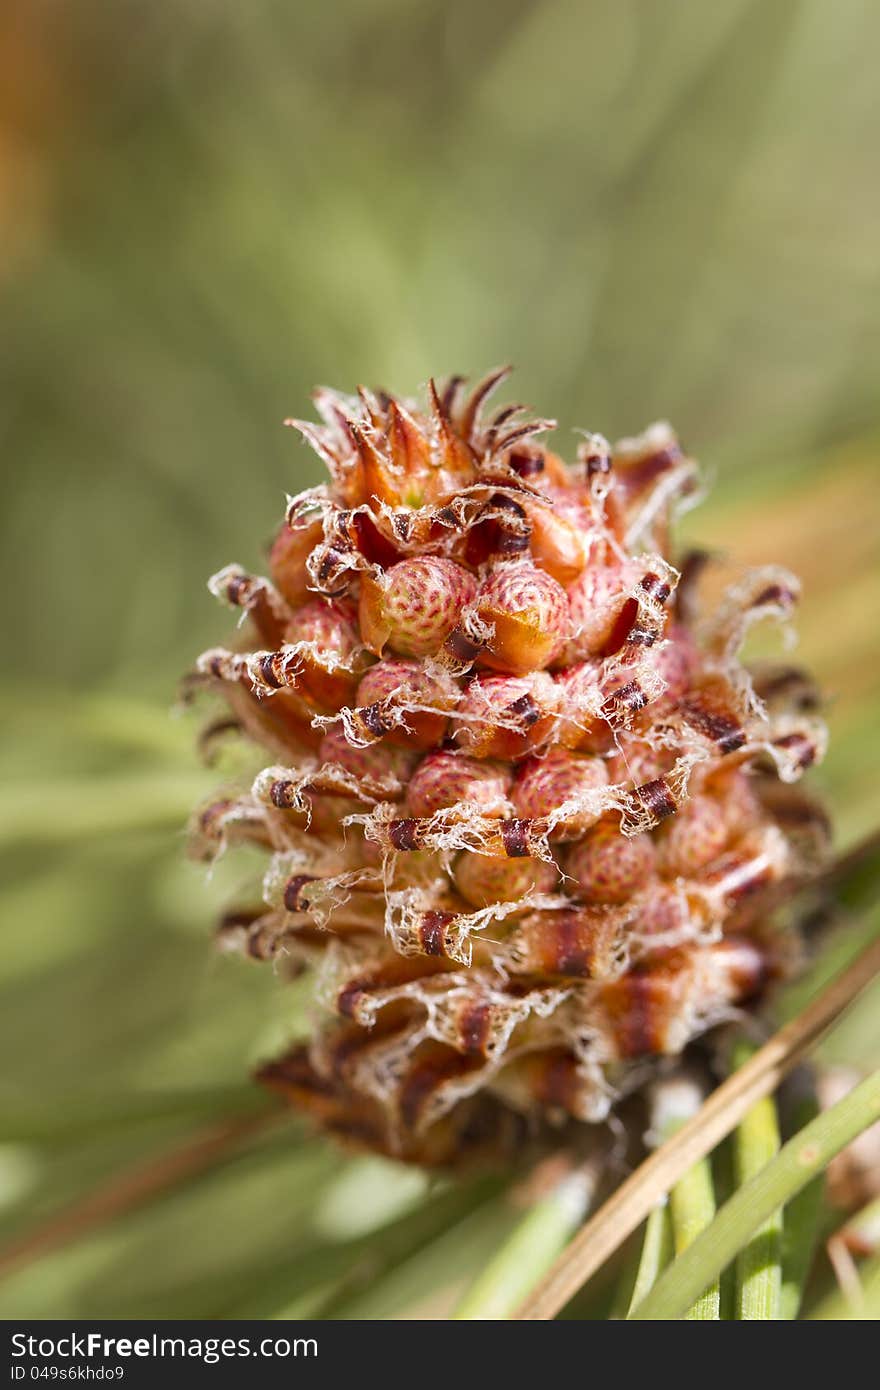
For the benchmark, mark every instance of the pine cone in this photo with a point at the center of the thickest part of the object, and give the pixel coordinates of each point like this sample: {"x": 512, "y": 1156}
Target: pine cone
{"x": 527, "y": 813}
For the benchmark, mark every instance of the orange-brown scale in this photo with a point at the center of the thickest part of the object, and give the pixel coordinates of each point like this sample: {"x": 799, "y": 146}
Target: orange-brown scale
{"x": 575, "y": 942}
{"x": 528, "y": 613}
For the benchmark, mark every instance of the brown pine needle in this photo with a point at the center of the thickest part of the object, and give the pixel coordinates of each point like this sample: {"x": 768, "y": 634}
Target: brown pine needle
{"x": 139, "y": 1185}
{"x": 634, "y": 1199}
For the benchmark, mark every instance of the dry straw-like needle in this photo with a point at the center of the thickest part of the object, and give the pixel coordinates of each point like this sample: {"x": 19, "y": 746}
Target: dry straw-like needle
{"x": 726, "y": 1107}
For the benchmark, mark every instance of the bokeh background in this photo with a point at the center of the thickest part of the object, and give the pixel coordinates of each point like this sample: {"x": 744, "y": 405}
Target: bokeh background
{"x": 206, "y": 208}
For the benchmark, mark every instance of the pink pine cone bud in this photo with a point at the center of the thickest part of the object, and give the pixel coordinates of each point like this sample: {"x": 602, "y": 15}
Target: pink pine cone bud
{"x": 524, "y": 808}
{"x": 442, "y": 779}
{"x": 506, "y": 716}
{"x": 548, "y": 781}
{"x": 608, "y": 867}
{"x": 415, "y": 606}
{"x": 528, "y": 612}
{"x": 482, "y": 880}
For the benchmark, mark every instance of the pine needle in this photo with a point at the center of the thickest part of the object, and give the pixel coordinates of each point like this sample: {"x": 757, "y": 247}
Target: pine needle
{"x": 758, "y": 1264}
{"x": 800, "y": 1160}
{"x": 635, "y": 1198}
{"x": 529, "y": 1250}
{"x": 656, "y": 1253}
{"x": 675, "y": 1100}
{"x": 132, "y": 1189}
{"x": 801, "y": 1221}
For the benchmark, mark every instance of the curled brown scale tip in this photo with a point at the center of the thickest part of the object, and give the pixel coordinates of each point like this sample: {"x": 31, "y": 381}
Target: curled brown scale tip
{"x": 525, "y": 809}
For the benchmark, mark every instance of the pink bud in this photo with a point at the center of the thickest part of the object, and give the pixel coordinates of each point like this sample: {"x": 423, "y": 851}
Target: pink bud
{"x": 735, "y": 793}
{"x": 422, "y": 695}
{"x": 482, "y": 880}
{"x": 330, "y": 624}
{"x": 506, "y": 716}
{"x": 374, "y": 760}
{"x": 675, "y": 661}
{"x": 442, "y": 779}
{"x": 608, "y": 867}
{"x": 581, "y": 693}
{"x": 287, "y": 559}
{"x": 596, "y": 600}
{"x": 528, "y": 610}
{"x": 639, "y": 762}
{"x": 544, "y": 782}
{"x": 414, "y": 606}
{"x": 329, "y": 627}
{"x": 695, "y": 836}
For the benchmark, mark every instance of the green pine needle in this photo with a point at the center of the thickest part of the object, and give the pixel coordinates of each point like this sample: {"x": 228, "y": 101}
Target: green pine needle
{"x": 529, "y": 1250}
{"x": 796, "y": 1164}
{"x": 758, "y": 1264}
{"x": 656, "y": 1253}
{"x": 801, "y": 1222}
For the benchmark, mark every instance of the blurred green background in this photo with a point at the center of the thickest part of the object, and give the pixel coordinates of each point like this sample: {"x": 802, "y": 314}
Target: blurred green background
{"x": 206, "y": 208}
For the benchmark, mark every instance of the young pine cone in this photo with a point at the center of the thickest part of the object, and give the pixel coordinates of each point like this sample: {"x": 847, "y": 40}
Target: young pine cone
{"x": 527, "y": 813}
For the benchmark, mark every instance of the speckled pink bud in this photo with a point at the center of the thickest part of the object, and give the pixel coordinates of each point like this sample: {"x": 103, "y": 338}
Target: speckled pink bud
{"x": 287, "y": 559}
{"x": 675, "y": 661}
{"x": 734, "y": 792}
{"x": 375, "y": 760}
{"x": 595, "y": 600}
{"x": 411, "y": 684}
{"x": 528, "y": 610}
{"x": 665, "y": 918}
{"x": 415, "y": 605}
{"x": 326, "y": 812}
{"x": 482, "y": 880}
{"x": 442, "y": 779}
{"x": 639, "y": 762}
{"x": 573, "y": 505}
{"x": 608, "y": 867}
{"x": 506, "y": 716}
{"x": 330, "y": 624}
{"x": 336, "y": 654}
{"x": 544, "y": 782}
{"x": 693, "y": 837}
